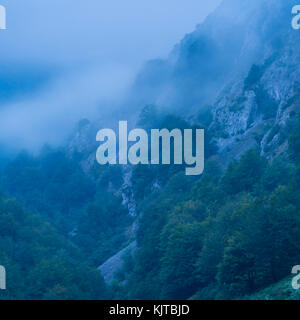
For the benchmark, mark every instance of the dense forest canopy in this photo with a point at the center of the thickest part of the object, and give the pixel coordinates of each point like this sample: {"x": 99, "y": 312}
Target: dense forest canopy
{"x": 225, "y": 234}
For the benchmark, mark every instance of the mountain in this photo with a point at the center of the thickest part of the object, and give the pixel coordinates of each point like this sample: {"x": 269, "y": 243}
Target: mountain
{"x": 154, "y": 232}
{"x": 253, "y": 111}
{"x": 241, "y": 66}
{"x": 281, "y": 290}
{"x": 222, "y": 49}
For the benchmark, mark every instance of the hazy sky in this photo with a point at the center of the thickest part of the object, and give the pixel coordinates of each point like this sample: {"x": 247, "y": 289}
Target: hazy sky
{"x": 125, "y": 31}
{"x": 63, "y": 57}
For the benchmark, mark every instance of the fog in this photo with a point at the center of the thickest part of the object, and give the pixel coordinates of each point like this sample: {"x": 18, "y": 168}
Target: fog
{"x": 62, "y": 60}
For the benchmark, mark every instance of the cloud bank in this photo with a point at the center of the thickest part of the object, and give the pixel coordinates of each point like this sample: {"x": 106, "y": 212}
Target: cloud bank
{"x": 85, "y": 53}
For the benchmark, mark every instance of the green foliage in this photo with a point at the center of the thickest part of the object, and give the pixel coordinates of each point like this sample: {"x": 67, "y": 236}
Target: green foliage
{"x": 41, "y": 263}
{"x": 223, "y": 236}
{"x": 181, "y": 240}
{"x": 52, "y": 251}
{"x": 244, "y": 174}
{"x": 101, "y": 228}
{"x": 294, "y": 140}
{"x": 50, "y": 184}
{"x": 148, "y": 179}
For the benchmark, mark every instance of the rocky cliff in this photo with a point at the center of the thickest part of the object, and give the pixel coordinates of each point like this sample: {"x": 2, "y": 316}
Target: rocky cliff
{"x": 242, "y": 63}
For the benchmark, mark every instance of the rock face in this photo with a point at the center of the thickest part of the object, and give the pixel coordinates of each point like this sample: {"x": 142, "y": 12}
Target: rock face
{"x": 127, "y": 192}
{"x": 110, "y": 267}
{"x": 242, "y": 62}
{"x": 253, "y": 110}
{"x": 83, "y": 146}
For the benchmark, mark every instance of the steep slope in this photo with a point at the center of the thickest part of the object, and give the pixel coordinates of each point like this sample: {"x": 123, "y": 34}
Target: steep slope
{"x": 221, "y": 49}
{"x": 281, "y": 290}
{"x": 254, "y": 111}
{"x": 230, "y": 232}
{"x": 42, "y": 263}
{"x": 241, "y": 64}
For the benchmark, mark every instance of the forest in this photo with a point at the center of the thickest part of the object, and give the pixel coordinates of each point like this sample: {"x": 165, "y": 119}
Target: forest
{"x": 223, "y": 235}
{"x": 71, "y": 228}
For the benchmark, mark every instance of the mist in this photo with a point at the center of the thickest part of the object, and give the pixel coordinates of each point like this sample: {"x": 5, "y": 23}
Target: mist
{"x": 61, "y": 61}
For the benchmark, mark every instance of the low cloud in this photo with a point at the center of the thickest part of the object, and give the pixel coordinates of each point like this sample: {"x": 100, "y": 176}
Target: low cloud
{"x": 51, "y": 114}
